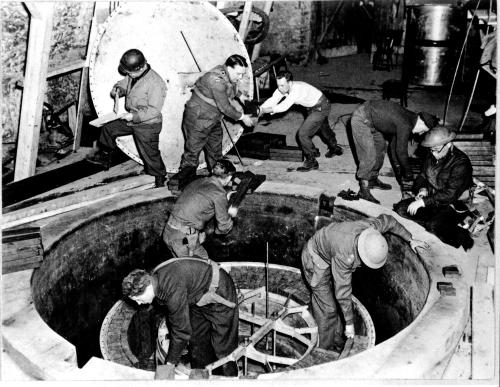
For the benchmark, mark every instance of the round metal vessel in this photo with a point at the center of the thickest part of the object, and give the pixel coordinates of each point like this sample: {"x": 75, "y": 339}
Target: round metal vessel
{"x": 174, "y": 37}
{"x": 436, "y": 31}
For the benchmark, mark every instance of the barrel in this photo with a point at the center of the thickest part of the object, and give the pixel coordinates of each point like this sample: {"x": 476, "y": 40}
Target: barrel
{"x": 437, "y": 32}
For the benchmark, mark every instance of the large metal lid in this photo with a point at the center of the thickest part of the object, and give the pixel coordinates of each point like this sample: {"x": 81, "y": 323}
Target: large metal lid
{"x": 155, "y": 29}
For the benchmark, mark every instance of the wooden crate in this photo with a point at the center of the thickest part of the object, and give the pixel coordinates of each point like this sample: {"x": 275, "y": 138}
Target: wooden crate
{"x": 21, "y": 249}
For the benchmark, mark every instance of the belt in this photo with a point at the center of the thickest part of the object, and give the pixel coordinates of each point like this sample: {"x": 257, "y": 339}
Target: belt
{"x": 319, "y": 103}
{"x": 178, "y": 225}
{"x": 210, "y": 296}
{"x": 210, "y": 101}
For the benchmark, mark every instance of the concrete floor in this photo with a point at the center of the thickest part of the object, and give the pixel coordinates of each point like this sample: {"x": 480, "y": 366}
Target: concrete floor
{"x": 352, "y": 76}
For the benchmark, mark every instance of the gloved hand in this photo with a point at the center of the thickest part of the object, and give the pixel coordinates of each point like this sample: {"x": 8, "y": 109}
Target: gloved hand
{"x": 166, "y": 371}
{"x": 349, "y": 331}
{"x": 413, "y": 207}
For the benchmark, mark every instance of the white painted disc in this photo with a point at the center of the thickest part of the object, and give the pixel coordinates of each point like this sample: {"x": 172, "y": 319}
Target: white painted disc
{"x": 155, "y": 29}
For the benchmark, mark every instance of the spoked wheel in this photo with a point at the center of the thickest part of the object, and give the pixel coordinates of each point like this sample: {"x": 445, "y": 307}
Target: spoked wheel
{"x": 267, "y": 344}
{"x": 258, "y": 23}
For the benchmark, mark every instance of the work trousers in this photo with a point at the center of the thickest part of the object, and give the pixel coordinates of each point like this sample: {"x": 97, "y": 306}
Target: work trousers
{"x": 201, "y": 125}
{"x": 176, "y": 241}
{"x": 146, "y": 137}
{"x": 215, "y": 328}
{"x": 323, "y": 303}
{"x": 370, "y": 145}
{"x": 316, "y": 122}
{"x": 441, "y": 221}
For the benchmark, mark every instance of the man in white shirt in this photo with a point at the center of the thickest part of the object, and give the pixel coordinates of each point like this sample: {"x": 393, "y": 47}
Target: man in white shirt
{"x": 318, "y": 108}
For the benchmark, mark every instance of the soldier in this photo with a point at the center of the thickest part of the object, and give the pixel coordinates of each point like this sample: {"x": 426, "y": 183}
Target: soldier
{"x": 370, "y": 122}
{"x": 201, "y": 200}
{"x": 318, "y": 108}
{"x": 144, "y": 91}
{"x": 199, "y": 299}
{"x": 439, "y": 189}
{"x": 331, "y": 256}
{"x": 201, "y": 123}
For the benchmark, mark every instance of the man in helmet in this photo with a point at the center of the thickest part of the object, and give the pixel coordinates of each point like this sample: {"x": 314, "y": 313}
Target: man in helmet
{"x": 200, "y": 201}
{"x": 370, "y": 123}
{"x": 144, "y": 91}
{"x": 439, "y": 189}
{"x": 199, "y": 300}
{"x": 201, "y": 123}
{"x": 290, "y": 92}
{"x": 331, "y": 256}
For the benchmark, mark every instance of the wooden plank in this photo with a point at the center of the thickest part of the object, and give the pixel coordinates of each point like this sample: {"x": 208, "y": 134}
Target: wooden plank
{"x": 6, "y": 269}
{"x": 256, "y": 49}
{"x": 37, "y": 58}
{"x": 469, "y": 136}
{"x": 243, "y": 29}
{"x": 13, "y": 246}
{"x": 483, "y": 332}
{"x": 23, "y": 255}
{"x": 72, "y": 118}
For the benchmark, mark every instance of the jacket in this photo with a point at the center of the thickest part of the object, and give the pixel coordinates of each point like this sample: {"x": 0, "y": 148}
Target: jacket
{"x": 201, "y": 200}
{"x": 179, "y": 286}
{"x": 144, "y": 98}
{"x": 336, "y": 245}
{"x": 389, "y": 118}
{"x": 446, "y": 179}
{"x": 216, "y": 85}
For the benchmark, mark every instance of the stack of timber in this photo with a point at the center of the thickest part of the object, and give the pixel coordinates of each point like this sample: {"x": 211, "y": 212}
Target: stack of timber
{"x": 286, "y": 153}
{"x": 21, "y": 249}
{"x": 257, "y": 145}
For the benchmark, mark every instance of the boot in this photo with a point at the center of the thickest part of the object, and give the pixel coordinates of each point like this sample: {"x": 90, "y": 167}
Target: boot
{"x": 101, "y": 157}
{"x": 159, "y": 181}
{"x": 310, "y": 163}
{"x": 364, "y": 192}
{"x": 376, "y": 183}
{"x": 182, "y": 178}
{"x": 317, "y": 153}
{"x": 334, "y": 151}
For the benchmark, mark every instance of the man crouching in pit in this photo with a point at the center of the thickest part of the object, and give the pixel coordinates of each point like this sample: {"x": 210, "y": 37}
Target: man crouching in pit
{"x": 200, "y": 303}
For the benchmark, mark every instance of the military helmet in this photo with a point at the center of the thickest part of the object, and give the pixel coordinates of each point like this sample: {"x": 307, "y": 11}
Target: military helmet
{"x": 132, "y": 60}
{"x": 438, "y": 136}
{"x": 372, "y": 248}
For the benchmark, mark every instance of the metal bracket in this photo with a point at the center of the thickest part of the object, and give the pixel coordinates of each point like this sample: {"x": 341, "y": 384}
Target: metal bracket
{"x": 451, "y": 271}
{"x": 446, "y": 289}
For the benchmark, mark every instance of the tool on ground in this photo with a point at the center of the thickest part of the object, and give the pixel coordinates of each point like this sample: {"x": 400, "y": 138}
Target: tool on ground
{"x": 348, "y": 195}
{"x": 223, "y": 123}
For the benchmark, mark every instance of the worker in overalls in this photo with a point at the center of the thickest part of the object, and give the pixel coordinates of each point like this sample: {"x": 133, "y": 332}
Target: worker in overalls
{"x": 201, "y": 122}
{"x": 144, "y": 91}
{"x": 290, "y": 92}
{"x": 200, "y": 302}
{"x": 199, "y": 202}
{"x": 331, "y": 256}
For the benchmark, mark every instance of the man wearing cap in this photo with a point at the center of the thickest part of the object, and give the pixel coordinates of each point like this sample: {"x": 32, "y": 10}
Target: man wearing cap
{"x": 199, "y": 300}
{"x": 439, "y": 189}
{"x": 331, "y": 256}
{"x": 200, "y": 201}
{"x": 370, "y": 123}
{"x": 201, "y": 123}
{"x": 144, "y": 91}
{"x": 290, "y": 92}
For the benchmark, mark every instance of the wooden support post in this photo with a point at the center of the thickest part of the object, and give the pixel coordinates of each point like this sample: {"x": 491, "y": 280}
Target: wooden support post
{"x": 221, "y": 4}
{"x": 247, "y": 10}
{"x": 256, "y": 49}
{"x": 84, "y": 82}
{"x": 37, "y": 58}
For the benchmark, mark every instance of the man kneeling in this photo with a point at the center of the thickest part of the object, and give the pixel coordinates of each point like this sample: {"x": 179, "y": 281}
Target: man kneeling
{"x": 200, "y": 303}
{"x": 445, "y": 178}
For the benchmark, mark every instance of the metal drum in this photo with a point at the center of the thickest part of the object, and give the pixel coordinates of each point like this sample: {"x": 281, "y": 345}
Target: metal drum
{"x": 155, "y": 29}
{"x": 437, "y": 31}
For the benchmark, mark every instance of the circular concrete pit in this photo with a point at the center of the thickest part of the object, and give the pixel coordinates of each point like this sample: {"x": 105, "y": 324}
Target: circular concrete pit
{"x": 88, "y": 255}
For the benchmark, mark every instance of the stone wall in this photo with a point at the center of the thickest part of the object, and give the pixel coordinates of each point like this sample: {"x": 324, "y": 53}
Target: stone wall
{"x": 69, "y": 43}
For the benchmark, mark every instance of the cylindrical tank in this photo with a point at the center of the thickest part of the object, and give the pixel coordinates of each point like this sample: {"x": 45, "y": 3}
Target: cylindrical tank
{"x": 435, "y": 32}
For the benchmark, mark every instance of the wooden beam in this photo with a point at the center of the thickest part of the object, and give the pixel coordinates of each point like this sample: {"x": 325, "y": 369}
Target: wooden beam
{"x": 256, "y": 49}
{"x": 33, "y": 10}
{"x": 37, "y": 58}
{"x": 245, "y": 17}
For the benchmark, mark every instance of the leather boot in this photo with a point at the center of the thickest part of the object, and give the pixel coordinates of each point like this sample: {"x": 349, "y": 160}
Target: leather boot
{"x": 334, "y": 151}
{"x": 182, "y": 178}
{"x": 310, "y": 163}
{"x": 364, "y": 192}
{"x": 376, "y": 183}
{"x": 101, "y": 157}
{"x": 159, "y": 181}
